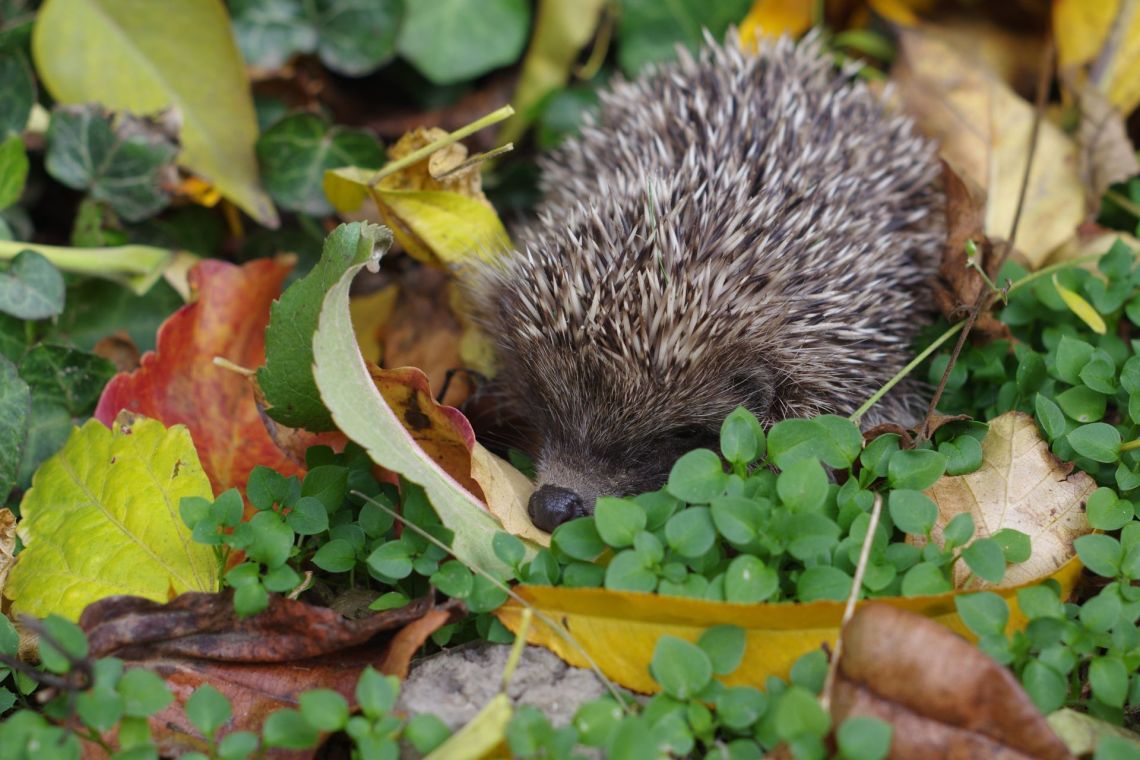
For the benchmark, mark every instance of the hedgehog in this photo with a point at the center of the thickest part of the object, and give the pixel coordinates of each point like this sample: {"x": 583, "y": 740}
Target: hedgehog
{"x": 731, "y": 229}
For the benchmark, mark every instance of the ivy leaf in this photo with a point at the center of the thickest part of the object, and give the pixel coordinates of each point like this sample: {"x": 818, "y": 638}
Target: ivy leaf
{"x": 66, "y": 376}
{"x": 31, "y": 288}
{"x": 17, "y": 92}
{"x": 297, "y": 151}
{"x": 649, "y": 30}
{"x": 451, "y": 41}
{"x": 15, "y": 409}
{"x": 352, "y": 37}
{"x": 101, "y": 519}
{"x": 119, "y": 163}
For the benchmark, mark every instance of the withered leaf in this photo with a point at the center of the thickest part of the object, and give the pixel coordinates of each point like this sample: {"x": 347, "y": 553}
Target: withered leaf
{"x": 942, "y": 695}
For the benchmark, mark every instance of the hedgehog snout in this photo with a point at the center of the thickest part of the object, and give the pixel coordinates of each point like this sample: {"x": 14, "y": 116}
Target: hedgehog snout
{"x": 550, "y": 506}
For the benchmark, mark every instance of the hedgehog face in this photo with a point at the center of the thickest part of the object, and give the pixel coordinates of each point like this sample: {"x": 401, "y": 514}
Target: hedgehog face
{"x": 627, "y": 442}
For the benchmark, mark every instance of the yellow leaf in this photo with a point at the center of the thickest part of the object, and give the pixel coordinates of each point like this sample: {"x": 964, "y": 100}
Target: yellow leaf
{"x": 1020, "y": 485}
{"x": 1103, "y": 36}
{"x": 347, "y": 187}
{"x": 618, "y": 629}
{"x": 102, "y": 518}
{"x": 769, "y": 19}
{"x": 440, "y": 227}
{"x": 983, "y": 128}
{"x": 561, "y": 30}
{"x": 484, "y": 736}
{"x": 1081, "y": 308}
{"x": 369, "y": 314}
{"x": 506, "y": 491}
{"x": 901, "y": 11}
{"x": 146, "y": 56}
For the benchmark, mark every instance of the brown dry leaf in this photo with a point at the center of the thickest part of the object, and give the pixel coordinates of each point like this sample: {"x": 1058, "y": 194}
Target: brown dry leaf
{"x": 260, "y": 663}
{"x": 7, "y": 545}
{"x": 1101, "y": 40}
{"x": 1092, "y": 240}
{"x": 1107, "y": 155}
{"x": 942, "y": 696}
{"x": 429, "y": 175}
{"x": 958, "y": 287}
{"x": 1020, "y": 485}
{"x": 983, "y": 128}
{"x": 508, "y": 492}
{"x": 120, "y": 350}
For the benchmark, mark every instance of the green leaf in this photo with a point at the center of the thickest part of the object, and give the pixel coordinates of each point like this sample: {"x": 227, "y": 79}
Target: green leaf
{"x": 736, "y": 518}
{"x": 120, "y": 164}
{"x": 1108, "y": 677}
{"x": 841, "y": 440}
{"x": 1098, "y": 441}
{"x": 287, "y": 378}
{"x": 799, "y": 714}
{"x": 1107, "y": 512}
{"x": 738, "y": 707}
{"x": 963, "y": 455}
{"x": 13, "y": 165}
{"x": 985, "y": 613}
{"x": 1050, "y": 416}
{"x": 1099, "y": 553}
{"x": 297, "y": 151}
{"x": 347, "y": 389}
{"x": 915, "y": 468}
{"x": 618, "y": 521}
{"x": 649, "y": 30}
{"x": 823, "y": 582}
{"x": 288, "y": 729}
{"x": 453, "y": 579}
{"x": 324, "y": 709}
{"x": 803, "y": 485}
{"x": 724, "y": 644}
{"x": 450, "y": 41}
{"x": 392, "y": 559}
{"x": 959, "y": 530}
{"x": 66, "y": 376}
{"x": 144, "y": 693}
{"x": 690, "y": 532}
{"x": 810, "y": 670}
{"x": 272, "y": 539}
{"x": 697, "y": 477}
{"x": 15, "y": 411}
{"x": 925, "y": 579}
{"x": 812, "y": 536}
{"x": 986, "y": 559}
{"x": 863, "y": 738}
{"x": 143, "y": 58}
{"x": 1072, "y": 356}
{"x": 72, "y": 644}
{"x": 747, "y": 580}
{"x": 376, "y": 694}
{"x": 269, "y": 32}
{"x": 1082, "y": 404}
{"x": 1015, "y": 545}
{"x": 741, "y": 436}
{"x": 1101, "y": 612}
{"x": 577, "y": 539}
{"x": 208, "y": 709}
{"x": 1039, "y": 602}
{"x": 426, "y": 732}
{"x": 509, "y": 548}
{"x": 31, "y": 288}
{"x": 792, "y": 440}
{"x": 912, "y": 511}
{"x": 627, "y": 571}
{"x": 1045, "y": 686}
{"x": 682, "y": 669}
{"x": 17, "y": 92}
{"x": 97, "y": 522}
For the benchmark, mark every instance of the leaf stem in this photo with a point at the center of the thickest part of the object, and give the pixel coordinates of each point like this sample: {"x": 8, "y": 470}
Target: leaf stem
{"x": 1130, "y": 445}
{"x": 419, "y": 155}
{"x": 136, "y": 266}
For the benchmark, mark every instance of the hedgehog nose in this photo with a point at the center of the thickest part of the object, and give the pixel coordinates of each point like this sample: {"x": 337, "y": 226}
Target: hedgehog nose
{"x": 550, "y": 506}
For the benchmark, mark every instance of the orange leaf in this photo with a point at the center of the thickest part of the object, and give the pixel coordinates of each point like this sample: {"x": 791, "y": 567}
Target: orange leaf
{"x": 618, "y": 629}
{"x": 179, "y": 384}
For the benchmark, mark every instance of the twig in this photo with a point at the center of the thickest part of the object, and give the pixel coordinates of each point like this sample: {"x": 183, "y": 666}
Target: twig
{"x": 986, "y": 298}
{"x": 852, "y": 599}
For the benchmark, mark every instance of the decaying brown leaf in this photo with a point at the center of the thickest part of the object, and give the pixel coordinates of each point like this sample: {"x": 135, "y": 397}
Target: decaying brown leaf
{"x": 983, "y": 129}
{"x": 439, "y": 171}
{"x": 120, "y": 350}
{"x": 7, "y": 545}
{"x": 1107, "y": 155}
{"x": 1020, "y": 485}
{"x": 942, "y": 696}
{"x": 260, "y": 663}
{"x": 508, "y": 492}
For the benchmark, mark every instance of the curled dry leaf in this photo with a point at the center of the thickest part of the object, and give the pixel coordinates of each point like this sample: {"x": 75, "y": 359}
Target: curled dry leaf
{"x": 508, "y": 492}
{"x": 1020, "y": 485}
{"x": 942, "y": 695}
{"x": 260, "y": 663}
{"x": 983, "y": 129}
{"x": 178, "y": 383}
{"x": 1107, "y": 155}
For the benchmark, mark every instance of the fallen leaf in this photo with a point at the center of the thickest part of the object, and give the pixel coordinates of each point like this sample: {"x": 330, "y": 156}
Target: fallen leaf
{"x": 768, "y": 19}
{"x": 1107, "y": 155}
{"x": 144, "y": 58}
{"x": 260, "y": 663}
{"x": 120, "y": 350}
{"x": 561, "y": 30}
{"x": 1020, "y": 485}
{"x": 7, "y": 546}
{"x": 484, "y": 736}
{"x": 178, "y": 383}
{"x": 102, "y": 519}
{"x": 1102, "y": 38}
{"x": 942, "y": 696}
{"x": 369, "y": 315}
{"x": 617, "y": 630}
{"x": 348, "y": 389}
{"x": 1082, "y": 732}
{"x": 983, "y": 129}
{"x": 1092, "y": 241}
{"x": 507, "y": 493}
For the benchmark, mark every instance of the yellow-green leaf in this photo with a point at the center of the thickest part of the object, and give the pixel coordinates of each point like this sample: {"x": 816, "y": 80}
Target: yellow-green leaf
{"x": 1081, "y": 308}
{"x": 101, "y": 519}
{"x": 486, "y": 732}
{"x": 146, "y": 56}
{"x": 437, "y": 225}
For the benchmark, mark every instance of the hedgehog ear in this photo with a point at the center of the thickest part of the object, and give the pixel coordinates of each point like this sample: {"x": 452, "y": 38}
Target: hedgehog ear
{"x": 755, "y": 388}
